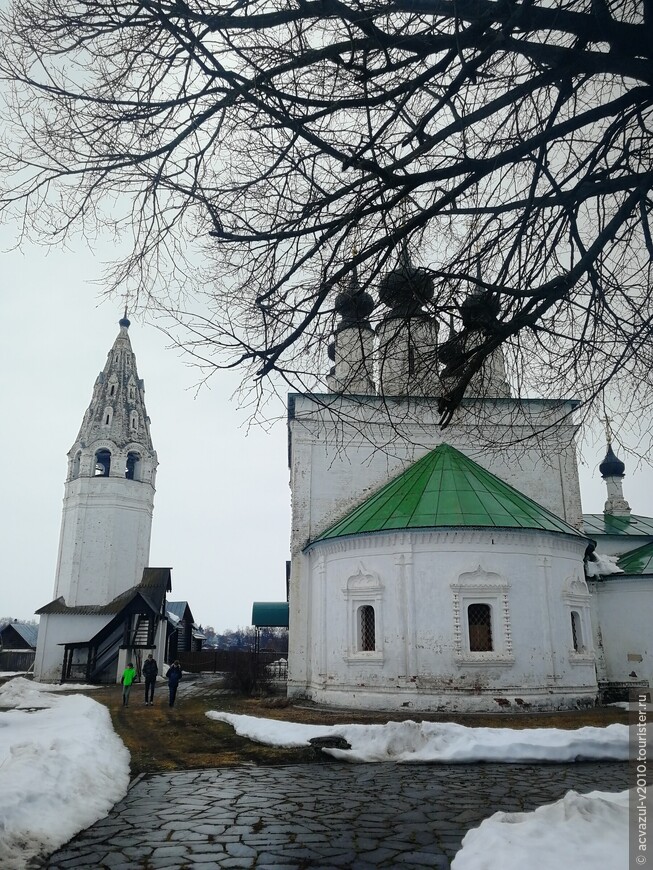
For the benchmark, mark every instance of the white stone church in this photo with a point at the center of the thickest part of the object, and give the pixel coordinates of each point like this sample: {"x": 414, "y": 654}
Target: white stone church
{"x": 430, "y": 569}
{"x": 452, "y": 569}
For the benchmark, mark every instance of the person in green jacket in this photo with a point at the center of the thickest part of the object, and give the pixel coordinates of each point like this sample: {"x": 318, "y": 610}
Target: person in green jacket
{"x": 128, "y": 677}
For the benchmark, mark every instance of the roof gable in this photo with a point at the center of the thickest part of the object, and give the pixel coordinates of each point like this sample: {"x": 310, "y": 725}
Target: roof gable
{"x": 152, "y": 590}
{"x": 179, "y": 609}
{"x": 28, "y": 633}
{"x": 446, "y": 489}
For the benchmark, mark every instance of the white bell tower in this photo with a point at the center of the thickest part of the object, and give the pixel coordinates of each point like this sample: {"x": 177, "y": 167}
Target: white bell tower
{"x": 109, "y": 492}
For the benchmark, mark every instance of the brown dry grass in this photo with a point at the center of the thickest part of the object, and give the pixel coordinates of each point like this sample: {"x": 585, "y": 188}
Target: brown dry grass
{"x": 182, "y": 738}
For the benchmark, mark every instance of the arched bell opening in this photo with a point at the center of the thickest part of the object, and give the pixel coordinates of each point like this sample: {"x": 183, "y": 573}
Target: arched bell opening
{"x": 102, "y": 463}
{"x": 134, "y": 466}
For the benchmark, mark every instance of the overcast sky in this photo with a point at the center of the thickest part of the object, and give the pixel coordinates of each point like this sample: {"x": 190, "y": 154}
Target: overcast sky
{"x": 221, "y": 517}
{"x": 221, "y": 510}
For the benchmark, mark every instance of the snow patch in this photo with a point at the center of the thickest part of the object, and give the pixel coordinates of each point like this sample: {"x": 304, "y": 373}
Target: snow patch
{"x": 601, "y": 565}
{"x": 440, "y": 741}
{"x": 62, "y": 767}
{"x": 583, "y": 831}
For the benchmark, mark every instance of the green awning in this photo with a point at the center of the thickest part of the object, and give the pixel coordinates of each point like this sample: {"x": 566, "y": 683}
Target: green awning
{"x": 270, "y": 614}
{"x": 447, "y": 489}
{"x": 639, "y": 561}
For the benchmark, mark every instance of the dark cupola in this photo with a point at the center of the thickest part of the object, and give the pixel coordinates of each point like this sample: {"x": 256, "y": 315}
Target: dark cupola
{"x": 611, "y": 466}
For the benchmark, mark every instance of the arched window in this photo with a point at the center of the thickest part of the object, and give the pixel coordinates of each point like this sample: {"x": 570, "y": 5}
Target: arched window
{"x": 132, "y": 394}
{"x": 112, "y": 390}
{"x": 76, "y": 463}
{"x": 366, "y": 629}
{"x": 102, "y": 463}
{"x": 133, "y": 468}
{"x": 133, "y": 421}
{"x": 108, "y": 416}
{"x": 576, "y": 631}
{"x": 479, "y": 623}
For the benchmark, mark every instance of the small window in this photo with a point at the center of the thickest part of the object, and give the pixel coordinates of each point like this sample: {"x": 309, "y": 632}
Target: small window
{"x": 133, "y": 422}
{"x": 112, "y": 390}
{"x": 479, "y": 622}
{"x": 576, "y": 631}
{"x": 411, "y": 359}
{"x": 108, "y": 416}
{"x": 366, "y": 629}
{"x": 131, "y": 393}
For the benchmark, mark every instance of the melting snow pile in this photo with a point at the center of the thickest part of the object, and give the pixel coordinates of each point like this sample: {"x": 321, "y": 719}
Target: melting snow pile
{"x": 601, "y": 565}
{"x": 62, "y": 767}
{"x": 440, "y": 741}
{"x": 583, "y": 831}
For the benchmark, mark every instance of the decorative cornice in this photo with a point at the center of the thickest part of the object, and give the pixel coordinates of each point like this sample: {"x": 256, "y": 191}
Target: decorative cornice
{"x": 415, "y": 539}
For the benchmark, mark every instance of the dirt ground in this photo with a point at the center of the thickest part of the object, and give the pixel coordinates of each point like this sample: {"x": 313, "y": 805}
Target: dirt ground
{"x": 183, "y": 738}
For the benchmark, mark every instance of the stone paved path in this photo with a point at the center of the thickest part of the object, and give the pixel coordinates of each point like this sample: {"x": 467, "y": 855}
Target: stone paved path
{"x": 363, "y": 817}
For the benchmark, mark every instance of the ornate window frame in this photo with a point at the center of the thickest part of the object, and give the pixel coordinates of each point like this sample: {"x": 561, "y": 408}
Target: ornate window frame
{"x": 363, "y": 588}
{"x": 577, "y": 598}
{"x": 482, "y": 587}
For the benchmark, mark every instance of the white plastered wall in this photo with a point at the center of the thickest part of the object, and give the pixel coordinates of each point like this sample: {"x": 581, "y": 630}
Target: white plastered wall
{"x": 622, "y": 615}
{"x": 56, "y": 629}
{"x": 342, "y": 450}
{"x": 420, "y": 584}
{"x": 105, "y": 539}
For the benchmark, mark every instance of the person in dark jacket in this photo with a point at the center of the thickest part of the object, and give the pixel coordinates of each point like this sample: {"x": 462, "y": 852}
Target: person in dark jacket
{"x": 150, "y": 670}
{"x": 174, "y": 676}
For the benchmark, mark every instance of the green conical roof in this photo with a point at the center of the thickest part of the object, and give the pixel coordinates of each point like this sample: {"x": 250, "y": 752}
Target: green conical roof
{"x": 639, "y": 561}
{"x": 446, "y": 489}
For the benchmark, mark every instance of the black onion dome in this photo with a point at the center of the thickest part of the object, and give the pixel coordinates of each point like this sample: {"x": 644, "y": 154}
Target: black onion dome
{"x": 124, "y": 322}
{"x": 611, "y": 466}
{"x": 354, "y": 305}
{"x": 480, "y": 310}
{"x": 406, "y": 289}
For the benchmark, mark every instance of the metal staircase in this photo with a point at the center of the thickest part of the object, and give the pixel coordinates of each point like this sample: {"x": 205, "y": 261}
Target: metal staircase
{"x": 141, "y": 636}
{"x": 103, "y": 654}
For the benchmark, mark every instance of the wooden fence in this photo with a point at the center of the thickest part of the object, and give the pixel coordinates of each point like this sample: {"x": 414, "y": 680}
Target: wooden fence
{"x": 228, "y": 660}
{"x": 17, "y": 660}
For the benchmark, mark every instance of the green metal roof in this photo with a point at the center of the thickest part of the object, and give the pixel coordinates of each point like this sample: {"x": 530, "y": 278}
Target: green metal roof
{"x": 446, "y": 489}
{"x": 607, "y": 524}
{"x": 270, "y": 614}
{"x": 639, "y": 561}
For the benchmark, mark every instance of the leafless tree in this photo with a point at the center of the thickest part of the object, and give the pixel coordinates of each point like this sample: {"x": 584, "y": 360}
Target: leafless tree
{"x": 261, "y": 150}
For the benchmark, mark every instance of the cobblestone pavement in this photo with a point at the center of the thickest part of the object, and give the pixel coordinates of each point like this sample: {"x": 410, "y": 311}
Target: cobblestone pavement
{"x": 364, "y": 816}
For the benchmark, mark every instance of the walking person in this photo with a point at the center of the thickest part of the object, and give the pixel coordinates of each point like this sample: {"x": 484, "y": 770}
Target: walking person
{"x": 128, "y": 677}
{"x": 150, "y": 670}
{"x": 174, "y": 676}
